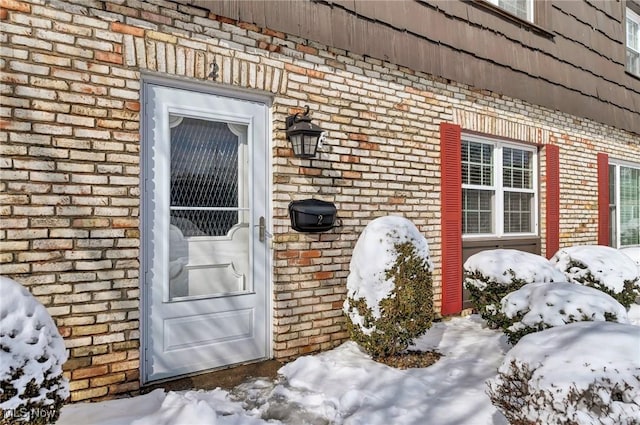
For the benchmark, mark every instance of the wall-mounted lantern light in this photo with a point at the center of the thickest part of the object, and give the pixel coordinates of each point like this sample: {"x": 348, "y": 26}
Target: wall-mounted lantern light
{"x": 303, "y": 134}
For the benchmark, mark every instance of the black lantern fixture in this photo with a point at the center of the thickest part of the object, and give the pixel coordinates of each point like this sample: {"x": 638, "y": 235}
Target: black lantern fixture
{"x": 303, "y": 134}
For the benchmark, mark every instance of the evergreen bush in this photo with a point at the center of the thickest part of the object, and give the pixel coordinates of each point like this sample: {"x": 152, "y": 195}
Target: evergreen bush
{"x": 490, "y": 275}
{"x": 523, "y": 404}
{"x": 32, "y": 352}
{"x": 581, "y": 373}
{"x": 604, "y": 268}
{"x": 390, "y": 299}
{"x": 539, "y": 306}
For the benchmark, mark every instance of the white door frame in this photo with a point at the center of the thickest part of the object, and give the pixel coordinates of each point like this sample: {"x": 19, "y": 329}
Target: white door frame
{"x": 204, "y": 87}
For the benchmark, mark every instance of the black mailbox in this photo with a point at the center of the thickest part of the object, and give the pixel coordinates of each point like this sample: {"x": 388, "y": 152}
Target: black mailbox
{"x": 312, "y": 215}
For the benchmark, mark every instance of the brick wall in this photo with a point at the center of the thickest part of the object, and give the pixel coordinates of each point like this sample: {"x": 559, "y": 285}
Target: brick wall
{"x": 70, "y": 165}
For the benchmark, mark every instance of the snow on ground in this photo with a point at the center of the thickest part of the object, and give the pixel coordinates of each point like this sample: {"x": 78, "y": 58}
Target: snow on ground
{"x": 634, "y": 314}
{"x": 344, "y": 386}
{"x": 341, "y": 386}
{"x": 451, "y": 391}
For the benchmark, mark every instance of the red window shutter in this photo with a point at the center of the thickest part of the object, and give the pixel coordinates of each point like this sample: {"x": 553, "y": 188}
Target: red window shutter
{"x": 603, "y": 199}
{"x": 552, "y": 153}
{"x": 451, "y": 224}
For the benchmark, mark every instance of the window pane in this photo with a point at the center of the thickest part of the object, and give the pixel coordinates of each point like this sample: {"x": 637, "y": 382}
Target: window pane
{"x": 477, "y": 163}
{"x": 633, "y": 42}
{"x": 518, "y": 209}
{"x": 465, "y": 152}
{"x": 475, "y": 174}
{"x": 204, "y": 175}
{"x": 517, "y": 169}
{"x": 612, "y": 185}
{"x": 520, "y": 8}
{"x": 633, "y": 28}
{"x": 629, "y": 206}
{"x": 633, "y": 62}
{"x": 477, "y": 211}
{"x": 487, "y": 154}
{"x": 474, "y": 152}
{"x": 487, "y": 175}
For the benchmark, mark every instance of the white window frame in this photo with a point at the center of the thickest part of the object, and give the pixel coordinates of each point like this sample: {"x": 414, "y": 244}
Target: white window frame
{"x": 635, "y": 18}
{"x": 616, "y": 239}
{"x": 530, "y": 8}
{"x": 499, "y": 189}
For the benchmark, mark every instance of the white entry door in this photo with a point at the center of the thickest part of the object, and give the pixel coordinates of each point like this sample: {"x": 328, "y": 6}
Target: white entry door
{"x": 204, "y": 225}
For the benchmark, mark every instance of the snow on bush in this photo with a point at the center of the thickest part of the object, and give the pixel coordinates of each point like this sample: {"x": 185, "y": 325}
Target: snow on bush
{"x": 32, "y": 353}
{"x": 492, "y": 274}
{"x": 390, "y": 295}
{"x": 539, "y": 306}
{"x": 582, "y": 373}
{"x": 632, "y": 252}
{"x": 600, "y": 267}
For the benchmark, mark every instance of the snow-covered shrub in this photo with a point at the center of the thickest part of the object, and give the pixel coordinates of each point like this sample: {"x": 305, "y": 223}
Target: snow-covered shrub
{"x": 32, "y": 352}
{"x": 582, "y": 373}
{"x": 539, "y": 306}
{"x": 492, "y": 274}
{"x": 600, "y": 267}
{"x": 632, "y": 252}
{"x": 390, "y": 295}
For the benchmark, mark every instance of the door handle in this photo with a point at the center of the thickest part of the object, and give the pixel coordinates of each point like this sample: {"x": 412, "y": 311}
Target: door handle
{"x": 262, "y": 229}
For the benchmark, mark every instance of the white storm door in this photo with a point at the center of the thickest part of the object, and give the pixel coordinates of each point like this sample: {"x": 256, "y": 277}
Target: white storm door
{"x": 205, "y": 205}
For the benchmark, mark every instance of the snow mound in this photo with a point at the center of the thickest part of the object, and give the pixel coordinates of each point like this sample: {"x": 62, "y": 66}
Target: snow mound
{"x": 633, "y": 252}
{"x": 601, "y": 267}
{"x": 634, "y": 314}
{"x": 606, "y": 264}
{"x": 390, "y": 287}
{"x": 373, "y": 255}
{"x": 539, "y": 306}
{"x": 347, "y": 387}
{"x": 503, "y": 266}
{"x": 582, "y": 373}
{"x": 32, "y": 353}
{"x": 199, "y": 408}
{"x": 492, "y": 274}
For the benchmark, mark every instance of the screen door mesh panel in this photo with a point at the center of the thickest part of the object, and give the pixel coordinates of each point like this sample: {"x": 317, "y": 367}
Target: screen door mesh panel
{"x": 204, "y": 177}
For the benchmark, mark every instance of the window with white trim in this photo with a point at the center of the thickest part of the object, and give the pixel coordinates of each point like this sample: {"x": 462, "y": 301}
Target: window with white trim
{"x": 523, "y": 9}
{"x": 499, "y": 188}
{"x": 624, "y": 204}
{"x": 633, "y": 42}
